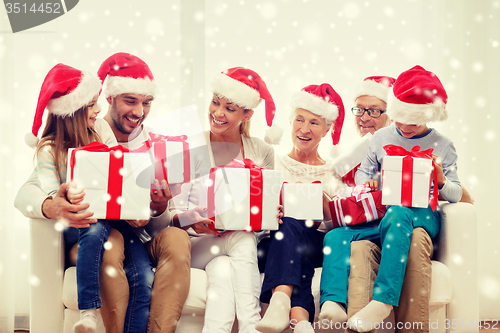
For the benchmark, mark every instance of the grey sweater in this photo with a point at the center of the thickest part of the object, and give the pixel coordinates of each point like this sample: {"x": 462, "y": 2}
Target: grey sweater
{"x": 442, "y": 146}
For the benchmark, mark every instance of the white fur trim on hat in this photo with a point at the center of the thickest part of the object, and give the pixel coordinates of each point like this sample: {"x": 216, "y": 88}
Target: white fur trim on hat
{"x": 117, "y": 85}
{"x": 415, "y": 114}
{"x": 31, "y": 140}
{"x": 236, "y": 91}
{"x": 314, "y": 104}
{"x": 68, "y": 104}
{"x": 371, "y": 88}
{"x": 273, "y": 134}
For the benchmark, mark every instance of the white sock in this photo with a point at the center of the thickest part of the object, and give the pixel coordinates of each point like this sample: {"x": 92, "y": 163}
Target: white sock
{"x": 370, "y": 316}
{"x": 333, "y": 312}
{"x": 303, "y": 326}
{"x": 277, "y": 316}
{"x": 87, "y": 322}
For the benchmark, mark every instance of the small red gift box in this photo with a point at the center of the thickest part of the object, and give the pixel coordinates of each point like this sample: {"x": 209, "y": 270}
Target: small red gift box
{"x": 356, "y": 209}
{"x": 172, "y": 160}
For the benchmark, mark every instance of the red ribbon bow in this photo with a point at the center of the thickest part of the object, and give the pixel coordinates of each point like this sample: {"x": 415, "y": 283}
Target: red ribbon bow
{"x": 407, "y": 182}
{"x": 115, "y": 179}
{"x": 256, "y": 189}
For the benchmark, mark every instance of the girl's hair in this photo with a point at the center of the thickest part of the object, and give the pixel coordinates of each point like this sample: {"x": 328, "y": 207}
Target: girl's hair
{"x": 61, "y": 133}
{"x": 245, "y": 126}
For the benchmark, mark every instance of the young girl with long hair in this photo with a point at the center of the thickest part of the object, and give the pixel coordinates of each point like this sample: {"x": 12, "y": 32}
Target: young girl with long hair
{"x": 70, "y": 96}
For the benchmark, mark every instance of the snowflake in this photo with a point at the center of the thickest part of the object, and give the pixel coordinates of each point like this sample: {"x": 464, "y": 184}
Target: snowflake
{"x": 34, "y": 281}
{"x": 351, "y": 10}
{"x": 490, "y": 135}
{"x": 215, "y": 249}
{"x": 477, "y": 67}
{"x": 455, "y": 63}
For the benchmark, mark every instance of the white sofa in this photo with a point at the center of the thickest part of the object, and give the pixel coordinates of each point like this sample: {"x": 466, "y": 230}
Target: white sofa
{"x": 454, "y": 294}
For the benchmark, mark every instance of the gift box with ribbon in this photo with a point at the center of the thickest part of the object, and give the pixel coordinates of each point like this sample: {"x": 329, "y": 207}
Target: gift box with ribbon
{"x": 356, "y": 205}
{"x": 241, "y": 196}
{"x": 407, "y": 177}
{"x": 171, "y": 156}
{"x": 347, "y": 163}
{"x": 116, "y": 181}
{"x": 303, "y": 201}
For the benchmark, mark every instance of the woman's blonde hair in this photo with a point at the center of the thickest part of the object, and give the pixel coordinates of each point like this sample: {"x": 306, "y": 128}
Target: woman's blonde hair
{"x": 245, "y": 126}
{"x": 61, "y": 133}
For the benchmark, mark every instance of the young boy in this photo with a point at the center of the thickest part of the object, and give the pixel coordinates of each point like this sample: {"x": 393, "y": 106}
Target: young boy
{"x": 417, "y": 98}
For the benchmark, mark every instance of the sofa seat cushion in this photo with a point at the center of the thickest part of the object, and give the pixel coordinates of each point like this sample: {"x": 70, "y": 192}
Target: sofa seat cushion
{"x": 70, "y": 292}
{"x": 441, "y": 290}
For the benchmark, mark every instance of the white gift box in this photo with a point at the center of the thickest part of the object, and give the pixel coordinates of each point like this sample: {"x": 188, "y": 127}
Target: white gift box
{"x": 126, "y": 196}
{"x": 238, "y": 203}
{"x": 417, "y": 189}
{"x": 303, "y": 201}
{"x": 347, "y": 163}
{"x": 172, "y": 162}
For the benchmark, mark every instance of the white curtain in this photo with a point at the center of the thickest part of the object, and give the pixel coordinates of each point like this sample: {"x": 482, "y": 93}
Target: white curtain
{"x": 7, "y": 192}
{"x": 7, "y": 244}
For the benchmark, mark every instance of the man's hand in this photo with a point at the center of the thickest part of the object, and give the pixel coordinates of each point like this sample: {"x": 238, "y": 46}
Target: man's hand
{"x": 137, "y": 223}
{"x": 74, "y": 195}
{"x": 373, "y": 184}
{"x": 59, "y": 209}
{"x": 160, "y": 195}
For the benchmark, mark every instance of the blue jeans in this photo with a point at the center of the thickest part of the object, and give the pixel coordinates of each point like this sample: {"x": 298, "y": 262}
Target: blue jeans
{"x": 394, "y": 233}
{"x": 137, "y": 267}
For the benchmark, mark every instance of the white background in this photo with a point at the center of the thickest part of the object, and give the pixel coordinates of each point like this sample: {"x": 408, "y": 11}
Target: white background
{"x": 291, "y": 43}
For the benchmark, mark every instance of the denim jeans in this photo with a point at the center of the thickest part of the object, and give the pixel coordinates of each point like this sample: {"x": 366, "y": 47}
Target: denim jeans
{"x": 137, "y": 267}
{"x": 394, "y": 233}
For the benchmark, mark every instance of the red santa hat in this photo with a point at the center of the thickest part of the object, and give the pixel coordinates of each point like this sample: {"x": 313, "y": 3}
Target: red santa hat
{"x": 245, "y": 88}
{"x": 126, "y": 73}
{"x": 323, "y": 101}
{"x": 376, "y": 86}
{"x": 417, "y": 98}
{"x": 64, "y": 91}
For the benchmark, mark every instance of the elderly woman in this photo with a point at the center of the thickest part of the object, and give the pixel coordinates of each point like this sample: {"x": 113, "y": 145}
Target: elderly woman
{"x": 297, "y": 247}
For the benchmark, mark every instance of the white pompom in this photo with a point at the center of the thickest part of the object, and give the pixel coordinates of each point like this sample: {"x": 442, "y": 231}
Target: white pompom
{"x": 31, "y": 140}
{"x": 273, "y": 134}
{"x": 334, "y": 151}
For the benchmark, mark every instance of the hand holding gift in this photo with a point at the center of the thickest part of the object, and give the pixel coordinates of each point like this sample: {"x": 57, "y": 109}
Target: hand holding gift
{"x": 372, "y": 184}
{"x": 75, "y": 195}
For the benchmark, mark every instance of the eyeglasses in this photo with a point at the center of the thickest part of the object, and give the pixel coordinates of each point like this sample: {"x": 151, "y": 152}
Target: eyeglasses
{"x": 359, "y": 112}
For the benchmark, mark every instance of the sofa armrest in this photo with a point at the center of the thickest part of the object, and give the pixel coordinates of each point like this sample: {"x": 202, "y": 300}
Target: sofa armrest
{"x": 47, "y": 266}
{"x": 458, "y": 250}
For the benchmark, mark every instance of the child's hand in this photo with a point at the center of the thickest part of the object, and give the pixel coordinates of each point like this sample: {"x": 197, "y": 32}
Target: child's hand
{"x": 373, "y": 184}
{"x": 280, "y": 214}
{"x": 74, "y": 195}
{"x": 439, "y": 168}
